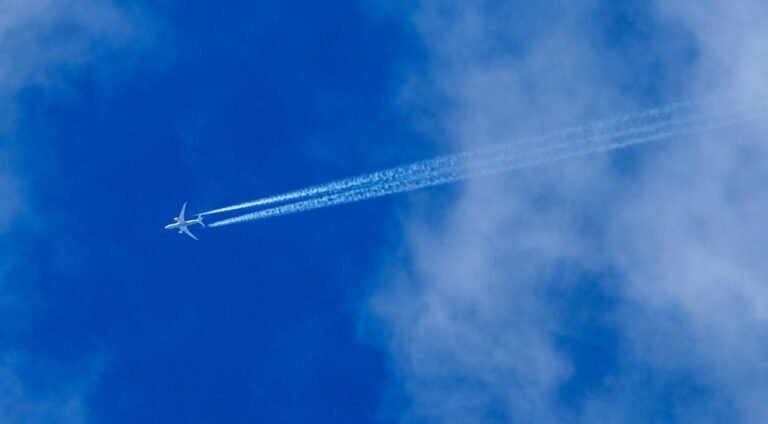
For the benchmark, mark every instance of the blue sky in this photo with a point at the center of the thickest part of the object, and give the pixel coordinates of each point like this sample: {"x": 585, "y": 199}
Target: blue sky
{"x": 615, "y": 288}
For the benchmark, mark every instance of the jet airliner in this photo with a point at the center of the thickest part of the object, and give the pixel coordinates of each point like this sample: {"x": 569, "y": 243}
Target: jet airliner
{"x": 181, "y": 224}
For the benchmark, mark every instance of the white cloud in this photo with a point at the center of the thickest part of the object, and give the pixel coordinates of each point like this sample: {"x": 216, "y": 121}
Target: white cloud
{"x": 39, "y": 41}
{"x": 43, "y": 33}
{"x": 10, "y": 193}
{"x": 41, "y": 38}
{"x": 476, "y": 321}
{"x": 19, "y": 403}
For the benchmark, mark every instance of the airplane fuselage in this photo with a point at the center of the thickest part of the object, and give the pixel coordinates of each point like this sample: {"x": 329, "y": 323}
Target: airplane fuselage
{"x": 183, "y": 224}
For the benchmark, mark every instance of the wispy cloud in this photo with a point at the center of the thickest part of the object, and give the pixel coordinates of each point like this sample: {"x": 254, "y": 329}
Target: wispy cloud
{"x": 618, "y": 290}
{"x": 10, "y": 192}
{"x": 24, "y": 402}
{"x": 40, "y": 40}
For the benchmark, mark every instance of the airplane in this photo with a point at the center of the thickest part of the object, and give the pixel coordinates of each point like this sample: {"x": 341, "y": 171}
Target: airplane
{"x": 181, "y": 224}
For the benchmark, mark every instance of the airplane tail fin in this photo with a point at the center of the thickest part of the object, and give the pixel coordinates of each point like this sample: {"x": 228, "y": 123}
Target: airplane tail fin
{"x": 200, "y": 217}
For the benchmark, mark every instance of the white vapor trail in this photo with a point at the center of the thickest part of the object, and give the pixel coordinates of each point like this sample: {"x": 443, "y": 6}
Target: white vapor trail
{"x": 431, "y": 165}
{"x": 653, "y": 125}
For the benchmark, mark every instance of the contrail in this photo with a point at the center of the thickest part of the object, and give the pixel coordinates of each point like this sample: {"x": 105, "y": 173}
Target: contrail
{"x": 620, "y": 126}
{"x": 654, "y": 125}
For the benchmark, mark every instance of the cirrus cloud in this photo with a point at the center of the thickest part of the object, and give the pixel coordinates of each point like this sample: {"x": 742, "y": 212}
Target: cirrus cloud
{"x": 623, "y": 288}
{"x": 40, "y": 40}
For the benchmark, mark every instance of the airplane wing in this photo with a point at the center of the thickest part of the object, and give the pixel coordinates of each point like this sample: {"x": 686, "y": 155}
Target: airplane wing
{"x": 183, "y": 208}
{"x": 188, "y": 233}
